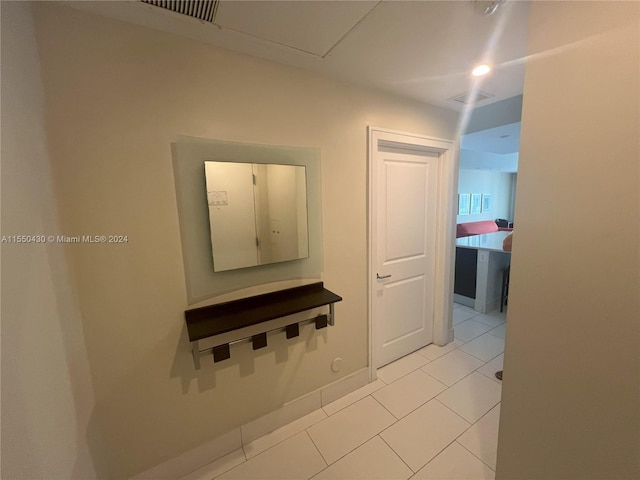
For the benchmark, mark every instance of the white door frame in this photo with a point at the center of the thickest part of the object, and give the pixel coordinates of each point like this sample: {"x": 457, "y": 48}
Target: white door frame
{"x": 445, "y": 225}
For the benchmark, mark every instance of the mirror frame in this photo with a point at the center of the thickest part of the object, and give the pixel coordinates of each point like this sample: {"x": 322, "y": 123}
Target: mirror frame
{"x": 189, "y": 154}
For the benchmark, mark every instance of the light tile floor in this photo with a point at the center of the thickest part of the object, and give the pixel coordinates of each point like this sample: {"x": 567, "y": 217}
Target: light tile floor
{"x": 430, "y": 415}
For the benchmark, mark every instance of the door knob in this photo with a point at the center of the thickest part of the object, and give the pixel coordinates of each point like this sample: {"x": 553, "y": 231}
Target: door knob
{"x": 384, "y": 277}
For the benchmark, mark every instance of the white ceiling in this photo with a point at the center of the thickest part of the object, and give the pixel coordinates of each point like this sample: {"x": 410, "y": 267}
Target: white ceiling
{"x": 420, "y": 49}
{"x": 312, "y": 27}
{"x": 491, "y": 149}
{"x": 502, "y": 140}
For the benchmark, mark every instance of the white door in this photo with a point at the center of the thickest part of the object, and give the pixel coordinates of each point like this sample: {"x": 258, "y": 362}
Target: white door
{"x": 405, "y": 245}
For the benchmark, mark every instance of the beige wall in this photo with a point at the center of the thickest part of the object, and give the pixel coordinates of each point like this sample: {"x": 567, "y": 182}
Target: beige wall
{"x": 571, "y": 400}
{"x": 47, "y": 398}
{"x": 116, "y": 96}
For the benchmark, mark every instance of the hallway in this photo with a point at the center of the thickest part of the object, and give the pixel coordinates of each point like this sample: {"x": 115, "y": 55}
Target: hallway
{"x": 430, "y": 415}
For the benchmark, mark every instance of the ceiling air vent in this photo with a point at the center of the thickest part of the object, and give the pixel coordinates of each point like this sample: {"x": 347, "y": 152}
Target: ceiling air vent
{"x": 466, "y": 99}
{"x": 204, "y": 10}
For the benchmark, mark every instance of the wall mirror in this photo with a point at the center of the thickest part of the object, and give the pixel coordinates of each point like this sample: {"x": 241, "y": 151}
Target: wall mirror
{"x": 257, "y": 213}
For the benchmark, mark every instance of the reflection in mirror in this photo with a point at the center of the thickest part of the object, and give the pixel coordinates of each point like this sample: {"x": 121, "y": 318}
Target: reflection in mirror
{"x": 257, "y": 213}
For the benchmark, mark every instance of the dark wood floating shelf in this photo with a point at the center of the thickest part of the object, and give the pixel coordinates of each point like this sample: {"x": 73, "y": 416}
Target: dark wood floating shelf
{"x": 225, "y": 317}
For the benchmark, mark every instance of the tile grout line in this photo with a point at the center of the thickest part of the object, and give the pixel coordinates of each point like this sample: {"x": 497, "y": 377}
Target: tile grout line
{"x": 482, "y": 359}
{"x": 437, "y": 454}
{"x": 483, "y": 324}
{"x": 415, "y": 352}
{"x": 327, "y": 464}
{"x": 278, "y": 443}
{"x": 397, "y": 454}
{"x": 492, "y": 377}
{"x": 286, "y": 437}
{"x": 356, "y": 401}
{"x": 494, "y": 406}
{"x": 457, "y": 414}
{"x": 360, "y": 444}
{"x": 476, "y": 456}
{"x": 460, "y": 379}
{"x": 389, "y": 411}
{"x": 470, "y": 426}
{"x": 230, "y": 468}
{"x": 502, "y": 321}
{"x": 494, "y": 335}
{"x": 485, "y": 414}
{"x": 421, "y": 405}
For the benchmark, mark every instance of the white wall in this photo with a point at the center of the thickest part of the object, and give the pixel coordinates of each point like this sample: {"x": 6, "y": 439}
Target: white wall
{"x": 497, "y": 184}
{"x": 47, "y": 398}
{"x": 571, "y": 394}
{"x": 117, "y": 96}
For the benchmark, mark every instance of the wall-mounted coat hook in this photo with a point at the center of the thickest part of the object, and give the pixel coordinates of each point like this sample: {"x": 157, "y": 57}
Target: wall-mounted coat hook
{"x": 259, "y": 341}
{"x": 292, "y": 330}
{"x": 223, "y": 318}
{"x": 321, "y": 321}
{"x": 221, "y": 352}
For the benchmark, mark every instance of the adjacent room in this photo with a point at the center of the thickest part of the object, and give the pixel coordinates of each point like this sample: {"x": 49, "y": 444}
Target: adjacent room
{"x": 486, "y": 204}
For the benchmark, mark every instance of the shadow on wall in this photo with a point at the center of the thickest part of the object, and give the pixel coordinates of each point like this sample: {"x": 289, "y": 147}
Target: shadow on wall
{"x": 119, "y": 404}
{"x": 243, "y": 357}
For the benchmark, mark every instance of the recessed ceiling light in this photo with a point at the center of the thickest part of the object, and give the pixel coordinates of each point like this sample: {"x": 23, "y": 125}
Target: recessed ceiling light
{"x": 481, "y": 70}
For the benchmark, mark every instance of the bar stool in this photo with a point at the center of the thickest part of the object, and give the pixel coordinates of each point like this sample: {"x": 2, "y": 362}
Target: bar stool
{"x": 505, "y": 287}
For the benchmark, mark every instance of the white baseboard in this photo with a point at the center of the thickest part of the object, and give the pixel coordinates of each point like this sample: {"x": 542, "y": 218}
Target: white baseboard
{"x": 450, "y": 336}
{"x": 287, "y": 413}
{"x": 340, "y": 388}
{"x": 231, "y": 442}
{"x": 493, "y": 304}
{"x": 461, "y": 299}
{"x": 193, "y": 459}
